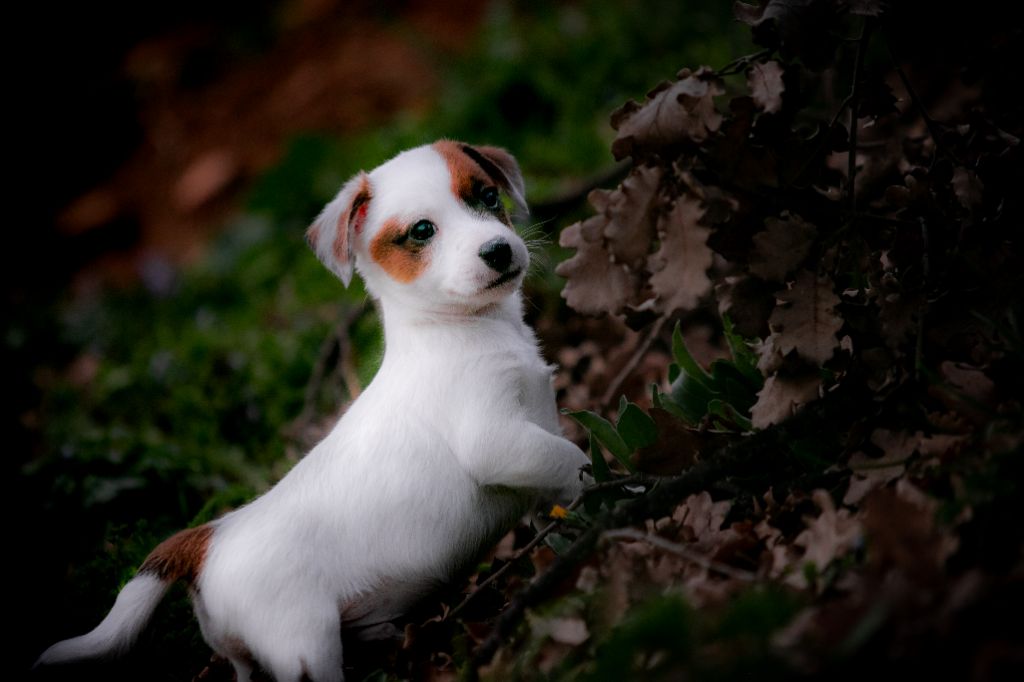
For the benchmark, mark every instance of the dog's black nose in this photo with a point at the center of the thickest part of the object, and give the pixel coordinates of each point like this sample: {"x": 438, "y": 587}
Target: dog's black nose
{"x": 497, "y": 254}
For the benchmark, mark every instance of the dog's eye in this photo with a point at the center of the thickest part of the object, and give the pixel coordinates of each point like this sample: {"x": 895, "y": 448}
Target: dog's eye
{"x": 489, "y": 198}
{"x": 422, "y": 231}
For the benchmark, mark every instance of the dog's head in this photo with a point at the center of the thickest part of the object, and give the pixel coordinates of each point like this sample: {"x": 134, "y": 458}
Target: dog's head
{"x": 429, "y": 227}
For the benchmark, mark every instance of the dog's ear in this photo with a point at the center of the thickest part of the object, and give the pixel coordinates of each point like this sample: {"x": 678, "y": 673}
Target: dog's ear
{"x": 504, "y": 169}
{"x": 332, "y": 233}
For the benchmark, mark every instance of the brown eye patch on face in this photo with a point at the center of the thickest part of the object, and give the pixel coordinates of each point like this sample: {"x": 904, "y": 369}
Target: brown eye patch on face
{"x": 403, "y": 259}
{"x": 470, "y": 172}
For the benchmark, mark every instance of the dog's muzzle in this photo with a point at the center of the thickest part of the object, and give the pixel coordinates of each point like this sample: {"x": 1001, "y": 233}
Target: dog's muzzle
{"x": 497, "y": 253}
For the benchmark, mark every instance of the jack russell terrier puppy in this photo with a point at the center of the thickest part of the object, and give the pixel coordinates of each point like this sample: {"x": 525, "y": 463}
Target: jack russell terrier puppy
{"x": 454, "y": 440}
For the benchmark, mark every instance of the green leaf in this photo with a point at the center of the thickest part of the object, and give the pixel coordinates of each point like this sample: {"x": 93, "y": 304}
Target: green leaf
{"x": 733, "y": 387}
{"x": 601, "y": 429}
{"x": 686, "y": 362}
{"x": 597, "y": 463}
{"x": 635, "y": 426}
{"x": 728, "y": 412}
{"x": 742, "y": 356}
{"x": 691, "y": 396}
{"x": 557, "y": 542}
{"x": 665, "y": 402}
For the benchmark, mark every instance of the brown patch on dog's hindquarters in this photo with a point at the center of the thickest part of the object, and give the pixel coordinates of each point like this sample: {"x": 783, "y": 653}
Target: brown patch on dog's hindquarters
{"x": 403, "y": 261}
{"x": 179, "y": 556}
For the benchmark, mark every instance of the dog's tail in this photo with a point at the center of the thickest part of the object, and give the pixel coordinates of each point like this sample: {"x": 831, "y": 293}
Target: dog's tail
{"x": 179, "y": 557}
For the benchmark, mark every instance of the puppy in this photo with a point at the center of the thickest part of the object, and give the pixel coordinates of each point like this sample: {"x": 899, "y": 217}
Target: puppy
{"x": 453, "y": 441}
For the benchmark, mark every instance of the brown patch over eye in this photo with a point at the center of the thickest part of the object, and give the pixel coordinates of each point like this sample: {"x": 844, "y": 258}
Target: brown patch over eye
{"x": 462, "y": 168}
{"x": 402, "y": 259}
{"x": 470, "y": 173}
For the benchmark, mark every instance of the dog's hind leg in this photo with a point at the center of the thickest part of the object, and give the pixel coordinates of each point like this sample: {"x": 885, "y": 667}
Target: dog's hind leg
{"x": 315, "y": 655}
{"x": 243, "y": 669}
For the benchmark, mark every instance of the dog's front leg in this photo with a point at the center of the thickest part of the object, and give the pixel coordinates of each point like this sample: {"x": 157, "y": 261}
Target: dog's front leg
{"x": 526, "y": 456}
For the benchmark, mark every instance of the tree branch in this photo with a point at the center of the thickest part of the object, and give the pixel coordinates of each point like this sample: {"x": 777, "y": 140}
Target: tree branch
{"x": 749, "y": 457}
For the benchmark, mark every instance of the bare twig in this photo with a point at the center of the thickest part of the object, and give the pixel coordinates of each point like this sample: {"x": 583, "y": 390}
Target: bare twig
{"x": 632, "y": 479}
{"x": 528, "y": 547}
{"x": 682, "y": 551}
{"x": 854, "y": 97}
{"x": 544, "y": 532}
{"x": 337, "y": 339}
{"x": 613, "y": 388}
{"x": 919, "y": 341}
{"x": 740, "y": 64}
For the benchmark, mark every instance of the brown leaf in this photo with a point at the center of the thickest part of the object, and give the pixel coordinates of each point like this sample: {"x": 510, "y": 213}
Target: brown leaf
{"x": 781, "y": 397}
{"x": 631, "y": 212}
{"x": 869, "y": 474}
{"x": 675, "y": 449}
{"x": 680, "y": 265}
{"x": 769, "y": 357}
{"x": 564, "y": 630}
{"x": 595, "y": 284}
{"x": 781, "y": 246}
{"x": 902, "y": 531}
{"x": 969, "y": 189}
{"x": 804, "y": 318}
{"x": 766, "y": 86}
{"x": 867, "y": 8}
{"x": 830, "y": 535}
{"x": 673, "y": 113}
{"x": 702, "y": 519}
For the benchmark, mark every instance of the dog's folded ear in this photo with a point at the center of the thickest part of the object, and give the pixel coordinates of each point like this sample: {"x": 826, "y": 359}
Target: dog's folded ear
{"x": 503, "y": 169}
{"x": 332, "y": 233}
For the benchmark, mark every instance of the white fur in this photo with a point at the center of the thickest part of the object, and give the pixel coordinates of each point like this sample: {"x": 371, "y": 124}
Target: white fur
{"x": 453, "y": 441}
{"x": 118, "y": 631}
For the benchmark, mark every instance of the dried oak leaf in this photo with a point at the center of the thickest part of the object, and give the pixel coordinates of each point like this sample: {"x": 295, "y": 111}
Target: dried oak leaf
{"x": 769, "y": 355}
{"x": 781, "y": 397}
{"x": 680, "y": 266}
{"x": 701, "y": 519}
{"x": 829, "y": 536}
{"x": 673, "y": 113}
{"x": 801, "y": 28}
{"x": 631, "y": 212}
{"x": 805, "y": 319}
{"x": 595, "y": 284}
{"x": 766, "y": 86}
{"x": 781, "y": 247}
{"x": 869, "y": 474}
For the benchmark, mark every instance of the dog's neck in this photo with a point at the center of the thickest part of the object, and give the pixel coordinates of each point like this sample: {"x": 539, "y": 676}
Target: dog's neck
{"x": 406, "y": 328}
